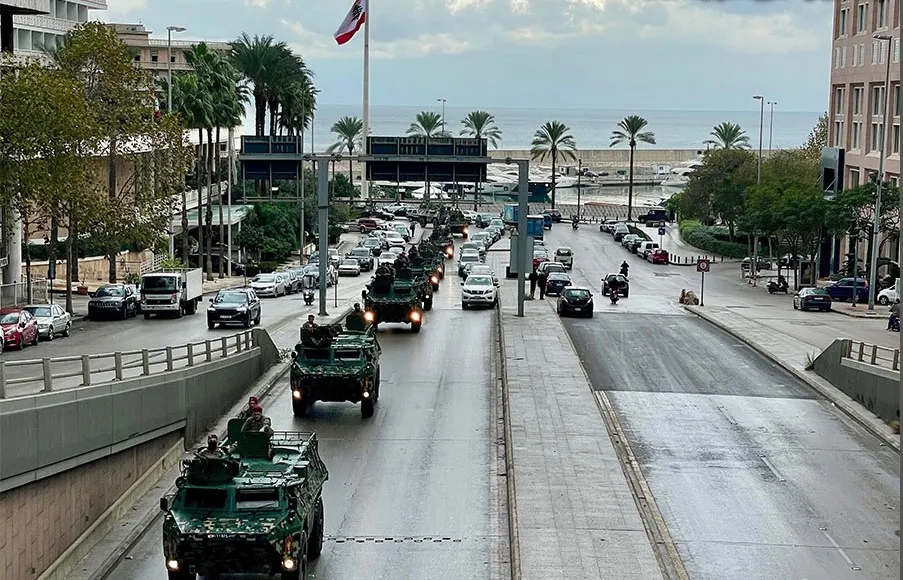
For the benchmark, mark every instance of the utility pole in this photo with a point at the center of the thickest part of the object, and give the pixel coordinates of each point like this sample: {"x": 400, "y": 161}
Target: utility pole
{"x": 873, "y": 265}
{"x": 754, "y": 263}
{"x": 443, "y": 114}
{"x": 771, "y": 125}
{"x": 169, "y": 31}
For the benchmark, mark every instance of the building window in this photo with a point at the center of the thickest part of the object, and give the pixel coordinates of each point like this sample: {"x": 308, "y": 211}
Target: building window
{"x": 875, "y": 50}
{"x": 877, "y": 135}
{"x": 896, "y": 101}
{"x": 857, "y": 100}
{"x": 855, "y": 136}
{"x": 882, "y": 52}
{"x": 878, "y": 100}
{"x": 854, "y": 178}
{"x": 861, "y": 54}
{"x": 860, "y": 18}
{"x": 897, "y": 49}
{"x": 836, "y": 57}
{"x": 839, "y": 104}
{"x": 894, "y": 181}
{"x": 895, "y": 141}
{"x": 881, "y": 13}
{"x": 842, "y": 25}
{"x": 838, "y": 134}
{"x": 137, "y": 58}
{"x": 843, "y": 56}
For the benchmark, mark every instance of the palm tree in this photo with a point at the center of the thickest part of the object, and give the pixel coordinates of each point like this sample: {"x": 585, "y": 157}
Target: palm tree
{"x": 281, "y": 79}
{"x": 728, "y": 136}
{"x": 255, "y": 59}
{"x": 481, "y": 125}
{"x": 630, "y": 131}
{"x": 427, "y": 124}
{"x": 350, "y": 131}
{"x": 553, "y": 139}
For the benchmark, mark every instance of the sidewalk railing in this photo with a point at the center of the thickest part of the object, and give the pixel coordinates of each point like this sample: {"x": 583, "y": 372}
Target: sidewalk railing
{"x": 874, "y": 354}
{"x": 65, "y": 372}
{"x": 16, "y": 294}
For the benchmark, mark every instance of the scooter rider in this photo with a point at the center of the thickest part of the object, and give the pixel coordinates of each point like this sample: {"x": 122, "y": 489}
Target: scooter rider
{"x": 782, "y": 282}
{"x": 624, "y": 267}
{"x": 894, "y": 319}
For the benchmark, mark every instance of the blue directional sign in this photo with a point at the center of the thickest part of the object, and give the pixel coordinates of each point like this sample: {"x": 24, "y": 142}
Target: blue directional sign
{"x": 661, "y": 231}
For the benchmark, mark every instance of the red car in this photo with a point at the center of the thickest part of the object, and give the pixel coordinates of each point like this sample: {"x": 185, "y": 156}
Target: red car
{"x": 19, "y": 327}
{"x": 365, "y": 225}
{"x": 659, "y": 256}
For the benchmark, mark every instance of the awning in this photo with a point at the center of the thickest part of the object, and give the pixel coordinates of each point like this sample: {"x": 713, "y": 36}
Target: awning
{"x": 232, "y": 215}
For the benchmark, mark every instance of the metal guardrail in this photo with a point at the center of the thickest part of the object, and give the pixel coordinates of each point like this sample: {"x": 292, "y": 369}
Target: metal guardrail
{"x": 96, "y": 369}
{"x": 16, "y": 294}
{"x": 873, "y": 354}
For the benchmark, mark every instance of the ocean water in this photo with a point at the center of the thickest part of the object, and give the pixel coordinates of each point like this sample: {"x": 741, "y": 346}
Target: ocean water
{"x": 590, "y": 128}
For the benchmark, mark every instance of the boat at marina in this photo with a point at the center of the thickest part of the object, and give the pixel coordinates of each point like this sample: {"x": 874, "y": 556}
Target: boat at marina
{"x": 679, "y": 176}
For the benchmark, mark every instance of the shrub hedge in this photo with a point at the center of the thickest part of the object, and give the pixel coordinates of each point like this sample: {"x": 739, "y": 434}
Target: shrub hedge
{"x": 711, "y": 239}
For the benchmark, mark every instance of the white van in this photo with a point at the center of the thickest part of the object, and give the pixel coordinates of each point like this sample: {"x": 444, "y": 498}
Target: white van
{"x": 645, "y": 248}
{"x": 565, "y": 256}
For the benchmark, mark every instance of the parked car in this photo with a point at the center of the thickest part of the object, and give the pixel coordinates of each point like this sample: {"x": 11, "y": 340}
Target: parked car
{"x": 482, "y": 270}
{"x": 363, "y": 256}
{"x": 272, "y": 284}
{"x": 888, "y": 296}
{"x": 398, "y": 209}
{"x": 554, "y": 214}
{"x": 20, "y": 328}
{"x": 240, "y": 306}
{"x": 465, "y": 259}
{"x": 52, "y": 319}
{"x": 482, "y": 220}
{"x": 645, "y": 247}
{"x": 478, "y": 291}
{"x": 607, "y": 225}
{"x": 551, "y": 267}
{"x": 349, "y": 267}
{"x": 843, "y": 289}
{"x": 365, "y": 225}
{"x": 575, "y": 301}
{"x": 812, "y": 299}
{"x": 629, "y": 239}
{"x": 292, "y": 280}
{"x": 335, "y": 258}
{"x": 619, "y": 231}
{"x": 404, "y": 230}
{"x": 556, "y": 283}
{"x": 623, "y": 287}
{"x": 394, "y": 239}
{"x": 118, "y": 300}
{"x": 659, "y": 256}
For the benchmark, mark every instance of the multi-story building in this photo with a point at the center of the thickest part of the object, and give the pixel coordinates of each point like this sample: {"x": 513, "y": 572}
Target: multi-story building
{"x": 34, "y": 33}
{"x": 150, "y": 53}
{"x": 859, "y": 64}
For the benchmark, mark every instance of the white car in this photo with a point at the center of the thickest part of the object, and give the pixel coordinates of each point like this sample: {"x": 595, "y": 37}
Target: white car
{"x": 395, "y": 251}
{"x": 482, "y": 238}
{"x": 888, "y": 296}
{"x": 52, "y": 320}
{"x": 465, "y": 259}
{"x": 269, "y": 285}
{"x": 565, "y": 256}
{"x": 482, "y": 270}
{"x": 350, "y": 267}
{"x": 394, "y": 239}
{"x": 475, "y": 246}
{"x": 478, "y": 291}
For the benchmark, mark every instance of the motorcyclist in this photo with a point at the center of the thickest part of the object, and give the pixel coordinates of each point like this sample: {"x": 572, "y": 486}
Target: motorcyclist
{"x": 894, "y": 317}
{"x": 782, "y": 282}
{"x": 575, "y": 221}
{"x": 624, "y": 267}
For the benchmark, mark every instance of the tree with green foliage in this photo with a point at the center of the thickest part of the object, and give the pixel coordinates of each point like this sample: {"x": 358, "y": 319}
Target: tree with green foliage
{"x": 728, "y": 135}
{"x": 350, "y": 134}
{"x": 553, "y": 140}
{"x": 427, "y": 124}
{"x": 481, "y": 125}
{"x": 817, "y": 139}
{"x": 717, "y": 188}
{"x": 631, "y": 130}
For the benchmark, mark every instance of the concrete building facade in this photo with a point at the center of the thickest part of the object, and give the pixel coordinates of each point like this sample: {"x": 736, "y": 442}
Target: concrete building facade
{"x": 859, "y": 65}
{"x": 151, "y": 53}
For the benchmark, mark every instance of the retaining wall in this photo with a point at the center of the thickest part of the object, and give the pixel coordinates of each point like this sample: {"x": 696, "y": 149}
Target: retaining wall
{"x": 67, "y": 456}
{"x": 875, "y": 388}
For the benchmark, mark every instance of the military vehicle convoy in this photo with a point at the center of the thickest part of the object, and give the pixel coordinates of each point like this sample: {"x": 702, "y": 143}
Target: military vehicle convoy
{"x": 442, "y": 241}
{"x": 258, "y": 510}
{"x": 395, "y": 297}
{"x": 456, "y": 222}
{"x": 336, "y": 365}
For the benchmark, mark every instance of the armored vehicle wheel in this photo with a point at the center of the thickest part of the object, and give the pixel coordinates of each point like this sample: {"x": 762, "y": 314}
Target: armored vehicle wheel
{"x": 415, "y": 327}
{"x": 428, "y": 303}
{"x": 435, "y": 287}
{"x": 300, "y": 408}
{"x": 368, "y": 407}
{"x": 315, "y": 543}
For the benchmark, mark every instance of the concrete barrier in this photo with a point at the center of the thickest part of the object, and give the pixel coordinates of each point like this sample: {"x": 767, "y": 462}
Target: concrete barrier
{"x": 875, "y": 387}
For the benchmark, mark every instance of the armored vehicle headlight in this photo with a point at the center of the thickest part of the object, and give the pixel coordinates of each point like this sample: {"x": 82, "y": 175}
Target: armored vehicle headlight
{"x": 173, "y": 565}
{"x": 288, "y": 564}
{"x": 296, "y": 394}
{"x": 368, "y": 316}
{"x": 434, "y": 279}
{"x": 415, "y": 316}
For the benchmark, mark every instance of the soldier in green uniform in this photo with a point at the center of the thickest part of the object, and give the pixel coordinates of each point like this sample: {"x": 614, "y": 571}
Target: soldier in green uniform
{"x": 355, "y": 319}
{"x": 213, "y": 450}
{"x": 246, "y": 412}
{"x": 257, "y": 422}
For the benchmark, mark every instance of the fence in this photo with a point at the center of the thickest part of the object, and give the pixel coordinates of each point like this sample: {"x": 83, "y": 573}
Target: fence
{"x": 64, "y": 372}
{"x": 873, "y": 354}
{"x": 16, "y": 294}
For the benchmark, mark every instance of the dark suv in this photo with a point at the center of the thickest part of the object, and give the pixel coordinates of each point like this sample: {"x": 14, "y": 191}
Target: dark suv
{"x": 234, "y": 307}
{"x": 843, "y": 289}
{"x": 363, "y": 256}
{"x": 623, "y": 286}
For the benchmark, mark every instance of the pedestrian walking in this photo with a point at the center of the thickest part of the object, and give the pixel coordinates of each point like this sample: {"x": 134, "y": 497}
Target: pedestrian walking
{"x": 413, "y": 228}
{"x": 541, "y": 279}
{"x": 532, "y": 278}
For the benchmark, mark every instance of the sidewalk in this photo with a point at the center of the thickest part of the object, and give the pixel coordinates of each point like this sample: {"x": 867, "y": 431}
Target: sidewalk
{"x": 576, "y": 514}
{"x": 792, "y": 355}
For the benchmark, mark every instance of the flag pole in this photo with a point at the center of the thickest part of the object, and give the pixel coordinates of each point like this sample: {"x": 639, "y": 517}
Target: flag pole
{"x": 365, "y": 185}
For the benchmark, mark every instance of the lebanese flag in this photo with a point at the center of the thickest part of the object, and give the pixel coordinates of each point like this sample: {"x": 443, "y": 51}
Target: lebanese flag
{"x": 352, "y": 23}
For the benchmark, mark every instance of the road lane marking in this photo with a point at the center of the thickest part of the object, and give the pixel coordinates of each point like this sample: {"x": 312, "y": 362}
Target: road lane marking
{"x": 773, "y": 469}
{"x": 727, "y": 415}
{"x": 837, "y": 547}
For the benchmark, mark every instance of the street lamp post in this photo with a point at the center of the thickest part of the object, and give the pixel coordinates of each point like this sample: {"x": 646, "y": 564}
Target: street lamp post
{"x": 169, "y": 31}
{"x": 873, "y": 265}
{"x": 443, "y": 113}
{"x": 771, "y": 124}
{"x": 754, "y": 264}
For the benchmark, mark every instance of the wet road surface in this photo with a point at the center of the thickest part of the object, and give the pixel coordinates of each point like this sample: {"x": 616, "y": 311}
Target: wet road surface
{"x": 755, "y": 475}
{"x": 410, "y": 490}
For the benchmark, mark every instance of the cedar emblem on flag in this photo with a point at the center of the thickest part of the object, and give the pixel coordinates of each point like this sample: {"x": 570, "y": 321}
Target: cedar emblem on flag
{"x": 352, "y": 23}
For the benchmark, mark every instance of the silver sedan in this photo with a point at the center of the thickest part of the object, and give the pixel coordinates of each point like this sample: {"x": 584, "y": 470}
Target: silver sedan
{"x": 52, "y": 320}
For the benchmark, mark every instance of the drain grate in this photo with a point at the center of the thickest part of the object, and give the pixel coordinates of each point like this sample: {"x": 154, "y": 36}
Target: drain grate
{"x": 404, "y": 539}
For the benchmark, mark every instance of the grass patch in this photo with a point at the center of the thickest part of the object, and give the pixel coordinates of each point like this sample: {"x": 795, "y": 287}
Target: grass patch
{"x": 707, "y": 238}
{"x": 639, "y": 232}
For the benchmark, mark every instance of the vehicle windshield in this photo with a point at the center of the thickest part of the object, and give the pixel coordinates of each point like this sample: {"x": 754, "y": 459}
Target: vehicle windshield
{"x": 114, "y": 291}
{"x": 361, "y": 253}
{"x": 563, "y": 252}
{"x": 167, "y": 283}
{"x": 39, "y": 311}
{"x": 230, "y": 298}
{"x": 576, "y": 294}
{"x": 348, "y": 354}
{"x": 265, "y": 278}
{"x": 204, "y": 499}
{"x": 371, "y": 242}
{"x": 11, "y": 318}
{"x": 254, "y": 499}
{"x": 481, "y": 270}
{"x": 469, "y": 258}
{"x": 559, "y": 276}
{"x": 816, "y": 292}
{"x": 352, "y": 263}
{"x": 617, "y": 277}
{"x": 332, "y": 252}
{"x": 479, "y": 281}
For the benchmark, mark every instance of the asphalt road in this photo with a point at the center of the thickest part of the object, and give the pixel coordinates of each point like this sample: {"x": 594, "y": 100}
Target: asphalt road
{"x": 756, "y": 476}
{"x": 410, "y": 490}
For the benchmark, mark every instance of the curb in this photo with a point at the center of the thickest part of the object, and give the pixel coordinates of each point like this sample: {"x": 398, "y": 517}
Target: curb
{"x": 833, "y": 395}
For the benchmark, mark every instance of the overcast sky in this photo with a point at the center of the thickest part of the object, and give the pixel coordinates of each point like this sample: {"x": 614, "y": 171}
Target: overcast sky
{"x": 549, "y": 54}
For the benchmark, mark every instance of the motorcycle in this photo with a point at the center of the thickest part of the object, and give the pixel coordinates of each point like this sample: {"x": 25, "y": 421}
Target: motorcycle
{"x": 624, "y": 272}
{"x": 774, "y": 287}
{"x": 308, "y": 297}
{"x": 894, "y": 323}
{"x": 308, "y": 286}
{"x": 613, "y": 295}
{"x": 574, "y": 223}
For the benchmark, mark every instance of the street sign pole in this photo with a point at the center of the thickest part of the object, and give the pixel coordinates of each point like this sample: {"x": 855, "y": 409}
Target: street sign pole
{"x": 523, "y": 196}
{"x": 323, "y": 207}
{"x": 702, "y": 290}
{"x": 661, "y": 235}
{"x": 702, "y": 266}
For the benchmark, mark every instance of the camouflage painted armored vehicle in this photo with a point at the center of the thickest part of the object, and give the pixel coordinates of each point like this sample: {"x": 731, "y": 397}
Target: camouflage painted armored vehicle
{"x": 256, "y": 511}
{"x": 425, "y": 269}
{"x": 389, "y": 298}
{"x": 442, "y": 238}
{"x": 337, "y": 366}
{"x": 421, "y": 280}
{"x": 456, "y": 222}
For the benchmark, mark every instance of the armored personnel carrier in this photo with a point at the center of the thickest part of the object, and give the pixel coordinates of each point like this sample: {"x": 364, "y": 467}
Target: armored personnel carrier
{"x": 456, "y": 222}
{"x": 256, "y": 511}
{"x": 392, "y": 298}
{"x": 441, "y": 236}
{"x": 336, "y": 364}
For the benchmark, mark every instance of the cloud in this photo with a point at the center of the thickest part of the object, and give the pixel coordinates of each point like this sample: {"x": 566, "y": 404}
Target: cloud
{"x": 121, "y": 10}
{"x": 455, "y": 6}
{"x": 258, "y": 3}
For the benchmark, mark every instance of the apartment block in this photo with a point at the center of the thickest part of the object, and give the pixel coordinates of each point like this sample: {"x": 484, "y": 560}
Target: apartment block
{"x": 151, "y": 53}
{"x": 35, "y": 33}
{"x": 865, "y": 51}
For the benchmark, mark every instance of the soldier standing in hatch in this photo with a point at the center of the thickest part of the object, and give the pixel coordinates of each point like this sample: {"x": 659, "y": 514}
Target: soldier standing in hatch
{"x": 246, "y": 412}
{"x": 257, "y": 422}
{"x": 310, "y": 325}
{"x": 213, "y": 451}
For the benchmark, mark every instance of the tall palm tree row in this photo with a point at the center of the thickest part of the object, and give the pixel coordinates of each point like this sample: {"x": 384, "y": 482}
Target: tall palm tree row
{"x": 481, "y": 125}
{"x": 553, "y": 139}
{"x": 727, "y": 135}
{"x": 349, "y": 132}
{"x": 631, "y": 131}
{"x": 427, "y": 124}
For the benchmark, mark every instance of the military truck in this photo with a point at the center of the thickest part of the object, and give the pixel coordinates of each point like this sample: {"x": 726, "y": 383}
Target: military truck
{"x": 388, "y": 298}
{"x": 258, "y": 510}
{"x": 456, "y": 222}
{"x": 336, "y": 364}
{"x": 426, "y": 213}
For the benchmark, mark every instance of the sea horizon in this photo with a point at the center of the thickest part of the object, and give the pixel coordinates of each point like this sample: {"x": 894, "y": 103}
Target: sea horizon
{"x": 591, "y": 128}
